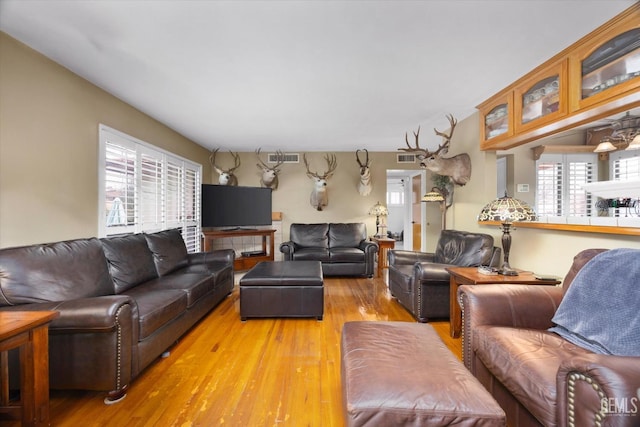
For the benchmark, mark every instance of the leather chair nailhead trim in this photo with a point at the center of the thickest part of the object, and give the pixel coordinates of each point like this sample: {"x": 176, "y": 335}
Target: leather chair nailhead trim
{"x": 571, "y": 383}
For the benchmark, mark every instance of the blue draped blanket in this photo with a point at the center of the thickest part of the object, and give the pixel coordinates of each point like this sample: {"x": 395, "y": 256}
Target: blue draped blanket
{"x": 601, "y": 309}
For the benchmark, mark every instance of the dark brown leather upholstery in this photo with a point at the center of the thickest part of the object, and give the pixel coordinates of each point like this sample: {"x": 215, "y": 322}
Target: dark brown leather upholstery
{"x": 419, "y": 280}
{"x": 536, "y": 376}
{"x": 402, "y": 374}
{"x": 118, "y": 313}
{"x": 343, "y": 249}
{"x": 283, "y": 289}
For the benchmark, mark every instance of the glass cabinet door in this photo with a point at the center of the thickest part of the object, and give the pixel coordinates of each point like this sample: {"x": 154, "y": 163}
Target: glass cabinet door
{"x": 496, "y": 119}
{"x": 613, "y": 63}
{"x": 541, "y": 98}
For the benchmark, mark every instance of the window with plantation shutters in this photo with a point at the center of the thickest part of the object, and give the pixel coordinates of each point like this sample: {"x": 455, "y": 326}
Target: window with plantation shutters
{"x": 146, "y": 189}
{"x": 559, "y": 181}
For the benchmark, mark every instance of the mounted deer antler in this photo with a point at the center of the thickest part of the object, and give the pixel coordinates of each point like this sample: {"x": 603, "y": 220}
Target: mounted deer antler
{"x": 364, "y": 185}
{"x": 457, "y": 167}
{"x": 269, "y": 177}
{"x": 319, "y": 197}
{"x": 226, "y": 177}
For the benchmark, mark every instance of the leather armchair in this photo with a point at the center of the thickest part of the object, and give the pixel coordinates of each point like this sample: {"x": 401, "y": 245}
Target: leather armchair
{"x": 419, "y": 280}
{"x": 555, "y": 382}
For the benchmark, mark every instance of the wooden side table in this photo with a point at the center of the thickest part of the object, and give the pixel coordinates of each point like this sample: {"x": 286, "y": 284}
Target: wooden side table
{"x": 470, "y": 276}
{"x": 384, "y": 244}
{"x": 28, "y": 331}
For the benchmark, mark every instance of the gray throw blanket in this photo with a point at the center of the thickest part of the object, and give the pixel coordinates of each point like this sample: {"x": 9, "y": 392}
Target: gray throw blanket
{"x": 601, "y": 309}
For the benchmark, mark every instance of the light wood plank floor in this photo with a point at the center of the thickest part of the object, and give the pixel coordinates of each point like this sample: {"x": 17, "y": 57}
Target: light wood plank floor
{"x": 262, "y": 372}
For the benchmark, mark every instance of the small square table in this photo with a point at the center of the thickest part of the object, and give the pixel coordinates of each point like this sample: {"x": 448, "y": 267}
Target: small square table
{"x": 471, "y": 276}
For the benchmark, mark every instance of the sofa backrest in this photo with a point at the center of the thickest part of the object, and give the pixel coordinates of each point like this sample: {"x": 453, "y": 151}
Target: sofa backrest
{"x": 130, "y": 260}
{"x": 348, "y": 235}
{"x": 168, "y": 249}
{"x": 310, "y": 235}
{"x": 464, "y": 249}
{"x": 52, "y": 272}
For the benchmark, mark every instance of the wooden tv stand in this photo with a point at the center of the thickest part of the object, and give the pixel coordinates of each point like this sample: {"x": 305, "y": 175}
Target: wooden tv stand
{"x": 243, "y": 262}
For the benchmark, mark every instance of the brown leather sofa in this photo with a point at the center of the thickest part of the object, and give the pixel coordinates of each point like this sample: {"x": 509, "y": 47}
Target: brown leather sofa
{"x": 342, "y": 248}
{"x": 419, "y": 280}
{"x": 123, "y": 301}
{"x": 538, "y": 377}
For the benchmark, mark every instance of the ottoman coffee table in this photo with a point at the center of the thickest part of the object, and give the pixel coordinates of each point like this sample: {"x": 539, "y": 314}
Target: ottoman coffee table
{"x": 282, "y": 289}
{"x": 402, "y": 374}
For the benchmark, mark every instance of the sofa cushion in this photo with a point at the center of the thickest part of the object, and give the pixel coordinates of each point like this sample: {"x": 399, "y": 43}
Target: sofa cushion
{"x": 157, "y": 307}
{"x": 130, "y": 260}
{"x": 526, "y": 362}
{"x": 54, "y": 272}
{"x": 311, "y": 254}
{"x": 346, "y": 255}
{"x": 194, "y": 285}
{"x": 309, "y": 235}
{"x": 169, "y": 250}
{"x": 347, "y": 235}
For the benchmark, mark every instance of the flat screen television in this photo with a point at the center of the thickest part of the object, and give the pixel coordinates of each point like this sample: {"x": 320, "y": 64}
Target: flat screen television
{"x": 235, "y": 206}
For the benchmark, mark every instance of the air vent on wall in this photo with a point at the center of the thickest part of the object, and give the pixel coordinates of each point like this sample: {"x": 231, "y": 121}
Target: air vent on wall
{"x": 406, "y": 158}
{"x": 288, "y": 158}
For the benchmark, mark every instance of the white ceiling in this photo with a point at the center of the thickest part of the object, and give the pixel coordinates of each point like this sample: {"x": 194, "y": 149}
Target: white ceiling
{"x": 303, "y": 75}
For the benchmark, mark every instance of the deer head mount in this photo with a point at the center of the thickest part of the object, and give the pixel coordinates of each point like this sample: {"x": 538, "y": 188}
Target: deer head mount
{"x": 457, "y": 167}
{"x": 269, "y": 176}
{"x": 364, "y": 185}
{"x": 319, "y": 197}
{"x": 225, "y": 176}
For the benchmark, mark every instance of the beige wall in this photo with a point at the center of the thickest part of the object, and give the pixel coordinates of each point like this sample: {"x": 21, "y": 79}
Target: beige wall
{"x": 49, "y": 121}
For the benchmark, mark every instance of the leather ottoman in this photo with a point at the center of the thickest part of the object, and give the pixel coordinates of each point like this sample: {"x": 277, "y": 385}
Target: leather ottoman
{"x": 283, "y": 289}
{"x": 402, "y": 374}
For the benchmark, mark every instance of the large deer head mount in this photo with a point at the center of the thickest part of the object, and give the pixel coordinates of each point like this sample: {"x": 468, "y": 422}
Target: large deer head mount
{"x": 364, "y": 185}
{"x": 269, "y": 176}
{"x": 225, "y": 176}
{"x": 458, "y": 168}
{"x": 319, "y": 197}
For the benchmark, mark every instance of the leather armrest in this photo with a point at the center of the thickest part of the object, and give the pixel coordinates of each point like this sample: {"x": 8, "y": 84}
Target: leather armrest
{"x": 594, "y": 383}
{"x": 225, "y": 255}
{"x": 397, "y": 257}
{"x": 431, "y": 271}
{"x": 369, "y": 247}
{"x": 97, "y": 314}
{"x": 520, "y": 306}
{"x": 287, "y": 247}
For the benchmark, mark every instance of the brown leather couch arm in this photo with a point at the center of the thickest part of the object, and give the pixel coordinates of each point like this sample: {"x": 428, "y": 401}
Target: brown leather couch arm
{"x": 599, "y": 387}
{"x": 521, "y": 306}
{"x": 397, "y": 257}
{"x": 225, "y": 255}
{"x": 97, "y": 314}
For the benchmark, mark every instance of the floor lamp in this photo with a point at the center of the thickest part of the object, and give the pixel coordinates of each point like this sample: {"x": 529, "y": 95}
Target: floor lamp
{"x": 436, "y": 196}
{"x": 506, "y": 211}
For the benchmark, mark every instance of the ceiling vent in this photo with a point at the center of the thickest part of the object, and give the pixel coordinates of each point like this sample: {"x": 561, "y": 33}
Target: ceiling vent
{"x": 288, "y": 158}
{"x": 406, "y": 158}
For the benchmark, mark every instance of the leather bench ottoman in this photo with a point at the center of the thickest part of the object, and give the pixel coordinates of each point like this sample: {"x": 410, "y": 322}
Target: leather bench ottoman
{"x": 283, "y": 289}
{"x": 402, "y": 374}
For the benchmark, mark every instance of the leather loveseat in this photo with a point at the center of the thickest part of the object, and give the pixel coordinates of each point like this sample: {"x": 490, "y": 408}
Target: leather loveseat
{"x": 538, "y": 377}
{"x": 342, "y": 248}
{"x": 122, "y": 301}
{"x": 419, "y": 280}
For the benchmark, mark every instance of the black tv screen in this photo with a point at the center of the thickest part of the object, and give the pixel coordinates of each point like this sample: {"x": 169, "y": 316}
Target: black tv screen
{"x": 233, "y": 206}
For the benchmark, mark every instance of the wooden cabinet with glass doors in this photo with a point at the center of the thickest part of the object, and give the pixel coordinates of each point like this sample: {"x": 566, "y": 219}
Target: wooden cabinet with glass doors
{"x": 594, "y": 78}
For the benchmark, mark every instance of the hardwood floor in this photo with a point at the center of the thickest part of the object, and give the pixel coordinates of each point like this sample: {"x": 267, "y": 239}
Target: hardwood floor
{"x": 262, "y": 372}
